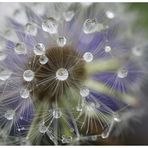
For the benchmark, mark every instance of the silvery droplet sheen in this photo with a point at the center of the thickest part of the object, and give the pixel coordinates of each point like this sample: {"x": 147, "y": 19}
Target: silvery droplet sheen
{"x": 57, "y": 113}
{"x": 24, "y": 93}
{"x": 50, "y": 25}
{"x": 61, "y": 41}
{"x": 107, "y": 49}
{"x": 28, "y": 75}
{"x": 66, "y": 139}
{"x": 9, "y": 114}
{"x": 110, "y": 14}
{"x": 42, "y": 128}
{"x": 88, "y": 57}
{"x": 122, "y": 73}
{"x": 68, "y": 15}
{"x": 20, "y": 48}
{"x": 90, "y": 26}
{"x": 62, "y": 74}
{"x": 5, "y": 74}
{"x": 137, "y": 51}
{"x": 31, "y": 29}
{"x": 84, "y": 92}
{"x": 43, "y": 59}
{"x": 39, "y": 49}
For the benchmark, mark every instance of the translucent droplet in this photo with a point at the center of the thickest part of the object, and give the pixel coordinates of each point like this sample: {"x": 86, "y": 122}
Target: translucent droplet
{"x": 79, "y": 108}
{"x": 9, "y": 114}
{"x": 43, "y": 59}
{"x": 61, "y": 41}
{"x": 28, "y": 75}
{"x": 88, "y": 57}
{"x": 42, "y": 128}
{"x": 68, "y": 16}
{"x": 20, "y": 48}
{"x": 2, "y": 56}
{"x": 90, "y": 26}
{"x": 137, "y": 51}
{"x": 50, "y": 25}
{"x": 62, "y": 74}
{"x": 31, "y": 29}
{"x": 94, "y": 138}
{"x": 5, "y": 74}
{"x": 122, "y": 73}
{"x": 116, "y": 117}
{"x": 66, "y": 139}
{"x": 24, "y": 93}
{"x": 84, "y": 92}
{"x": 57, "y": 113}
{"x": 39, "y": 49}
{"x": 107, "y": 49}
{"x": 110, "y": 14}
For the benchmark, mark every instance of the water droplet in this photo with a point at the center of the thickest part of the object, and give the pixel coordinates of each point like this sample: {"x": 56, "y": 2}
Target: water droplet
{"x": 116, "y": 117}
{"x": 90, "y": 26}
{"x": 24, "y": 93}
{"x": 122, "y": 73}
{"x": 28, "y": 75}
{"x": 137, "y": 51}
{"x": 62, "y": 74}
{"x": 94, "y": 138}
{"x": 61, "y": 41}
{"x": 5, "y": 74}
{"x": 50, "y": 25}
{"x": 20, "y": 48}
{"x": 107, "y": 49}
{"x": 84, "y": 92}
{"x": 2, "y": 56}
{"x": 39, "y": 49}
{"x": 66, "y": 139}
{"x": 43, "y": 59}
{"x": 68, "y": 16}
{"x": 57, "y": 113}
{"x": 110, "y": 14}
{"x": 9, "y": 114}
{"x": 42, "y": 128}
{"x": 31, "y": 29}
{"x": 88, "y": 57}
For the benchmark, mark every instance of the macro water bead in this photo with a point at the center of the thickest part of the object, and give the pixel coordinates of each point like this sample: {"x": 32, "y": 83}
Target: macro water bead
{"x": 70, "y": 73}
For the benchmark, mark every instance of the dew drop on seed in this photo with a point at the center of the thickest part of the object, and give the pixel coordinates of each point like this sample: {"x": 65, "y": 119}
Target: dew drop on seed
{"x": 84, "y": 92}
{"x": 57, "y": 113}
{"x": 50, "y": 25}
{"x": 79, "y": 108}
{"x": 9, "y": 114}
{"x": 62, "y": 74}
{"x": 42, "y": 128}
{"x": 20, "y": 48}
{"x": 137, "y": 51}
{"x": 90, "y": 26}
{"x": 122, "y": 73}
{"x": 2, "y": 56}
{"x": 61, "y": 41}
{"x": 68, "y": 16}
{"x": 66, "y": 139}
{"x": 116, "y": 117}
{"x": 43, "y": 59}
{"x": 5, "y": 74}
{"x": 28, "y": 75}
{"x": 24, "y": 93}
{"x": 39, "y": 49}
{"x": 31, "y": 29}
{"x": 110, "y": 14}
{"x": 88, "y": 57}
{"x": 107, "y": 49}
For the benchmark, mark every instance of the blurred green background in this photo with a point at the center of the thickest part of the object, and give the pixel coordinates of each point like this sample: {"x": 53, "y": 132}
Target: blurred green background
{"x": 142, "y": 9}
